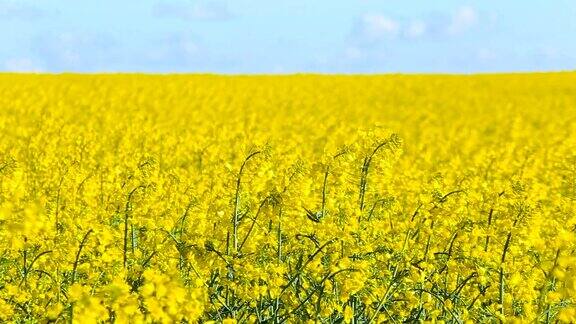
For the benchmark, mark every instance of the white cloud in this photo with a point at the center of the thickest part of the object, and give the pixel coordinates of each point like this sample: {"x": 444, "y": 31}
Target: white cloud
{"x": 372, "y": 29}
{"x": 462, "y": 20}
{"x": 21, "y": 64}
{"x": 196, "y": 11}
{"x": 376, "y": 26}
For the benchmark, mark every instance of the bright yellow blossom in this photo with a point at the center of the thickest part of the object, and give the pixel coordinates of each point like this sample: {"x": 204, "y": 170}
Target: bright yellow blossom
{"x": 202, "y": 198}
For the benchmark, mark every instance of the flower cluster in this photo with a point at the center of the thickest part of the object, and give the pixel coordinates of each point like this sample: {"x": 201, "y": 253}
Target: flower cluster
{"x": 363, "y": 199}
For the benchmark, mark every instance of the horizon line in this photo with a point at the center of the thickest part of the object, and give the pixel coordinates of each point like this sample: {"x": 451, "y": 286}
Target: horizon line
{"x": 296, "y": 73}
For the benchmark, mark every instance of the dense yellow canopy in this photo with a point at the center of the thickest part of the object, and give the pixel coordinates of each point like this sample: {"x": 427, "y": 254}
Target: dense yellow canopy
{"x": 288, "y": 198}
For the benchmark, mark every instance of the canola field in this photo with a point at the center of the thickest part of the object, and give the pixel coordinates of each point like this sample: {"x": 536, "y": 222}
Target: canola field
{"x": 287, "y": 199}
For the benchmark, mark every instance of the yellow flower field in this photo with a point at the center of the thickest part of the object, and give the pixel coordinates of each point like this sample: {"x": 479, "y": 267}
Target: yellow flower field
{"x": 286, "y": 199}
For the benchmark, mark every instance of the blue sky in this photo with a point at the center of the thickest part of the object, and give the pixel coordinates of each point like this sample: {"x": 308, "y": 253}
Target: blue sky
{"x": 286, "y": 36}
